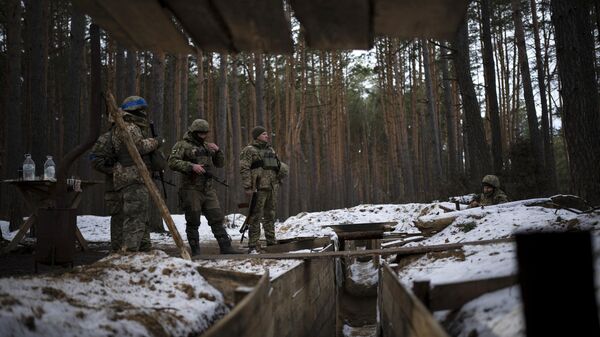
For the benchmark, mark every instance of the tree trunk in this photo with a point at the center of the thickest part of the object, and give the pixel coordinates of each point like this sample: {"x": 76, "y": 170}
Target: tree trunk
{"x": 490, "y": 88}
{"x": 200, "y": 83}
{"x": 449, "y": 113}
{"x": 72, "y": 119}
{"x": 433, "y": 138}
{"x": 534, "y": 132}
{"x": 236, "y": 142}
{"x": 581, "y": 118}
{"x": 260, "y": 89}
{"x": 546, "y": 130}
{"x": 222, "y": 108}
{"x": 130, "y": 73}
{"x": 157, "y": 99}
{"x": 13, "y": 129}
{"x": 478, "y": 151}
{"x": 120, "y": 74}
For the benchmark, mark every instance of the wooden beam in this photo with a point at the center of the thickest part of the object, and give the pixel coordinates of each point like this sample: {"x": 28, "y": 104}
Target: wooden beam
{"x": 334, "y": 24}
{"x": 453, "y": 295}
{"x": 155, "y": 195}
{"x": 203, "y": 23}
{"x": 437, "y": 19}
{"x": 257, "y": 25}
{"x": 354, "y": 253}
{"x": 137, "y": 24}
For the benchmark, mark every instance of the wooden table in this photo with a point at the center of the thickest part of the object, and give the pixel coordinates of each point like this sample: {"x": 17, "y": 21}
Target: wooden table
{"x": 37, "y": 194}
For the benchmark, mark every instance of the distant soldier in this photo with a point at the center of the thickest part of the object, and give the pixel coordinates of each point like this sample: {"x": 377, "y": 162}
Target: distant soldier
{"x": 103, "y": 159}
{"x": 262, "y": 172}
{"x": 492, "y": 194}
{"x": 127, "y": 179}
{"x": 194, "y": 158}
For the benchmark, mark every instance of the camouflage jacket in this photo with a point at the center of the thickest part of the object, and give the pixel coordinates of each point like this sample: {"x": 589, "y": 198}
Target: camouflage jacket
{"x": 103, "y": 158}
{"x": 125, "y": 172}
{"x": 189, "y": 151}
{"x": 259, "y": 160}
{"x": 498, "y": 197}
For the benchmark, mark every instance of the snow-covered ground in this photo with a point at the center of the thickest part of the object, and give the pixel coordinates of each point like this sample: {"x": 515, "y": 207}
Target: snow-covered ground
{"x": 131, "y": 295}
{"x": 498, "y": 313}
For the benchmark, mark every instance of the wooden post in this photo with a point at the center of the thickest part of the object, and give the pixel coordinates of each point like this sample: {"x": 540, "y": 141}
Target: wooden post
{"x": 117, "y": 115}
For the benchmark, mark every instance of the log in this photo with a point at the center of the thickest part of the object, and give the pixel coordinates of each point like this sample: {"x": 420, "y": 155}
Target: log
{"x": 117, "y": 115}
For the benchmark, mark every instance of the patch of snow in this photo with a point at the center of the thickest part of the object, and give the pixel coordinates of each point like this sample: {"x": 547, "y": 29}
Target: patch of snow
{"x": 253, "y": 266}
{"x": 364, "y": 273}
{"x": 126, "y": 295}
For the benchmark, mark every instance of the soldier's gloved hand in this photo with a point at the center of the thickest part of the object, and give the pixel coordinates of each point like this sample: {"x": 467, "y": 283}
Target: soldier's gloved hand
{"x": 212, "y": 147}
{"x": 199, "y": 169}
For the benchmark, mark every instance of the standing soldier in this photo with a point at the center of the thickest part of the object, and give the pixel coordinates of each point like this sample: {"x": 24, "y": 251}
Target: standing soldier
{"x": 194, "y": 158}
{"x": 103, "y": 159}
{"x": 262, "y": 172}
{"x": 126, "y": 178}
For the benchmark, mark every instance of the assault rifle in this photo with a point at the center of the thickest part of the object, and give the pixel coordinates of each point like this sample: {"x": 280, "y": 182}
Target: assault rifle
{"x": 161, "y": 173}
{"x": 251, "y": 206}
{"x": 209, "y": 175}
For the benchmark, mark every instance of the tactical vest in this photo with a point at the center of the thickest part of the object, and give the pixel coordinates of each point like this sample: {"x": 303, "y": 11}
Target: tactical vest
{"x": 269, "y": 160}
{"x": 125, "y": 159}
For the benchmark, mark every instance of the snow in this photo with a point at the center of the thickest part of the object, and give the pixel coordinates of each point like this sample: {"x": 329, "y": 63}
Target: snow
{"x": 494, "y": 314}
{"x": 126, "y": 295}
{"x": 499, "y": 313}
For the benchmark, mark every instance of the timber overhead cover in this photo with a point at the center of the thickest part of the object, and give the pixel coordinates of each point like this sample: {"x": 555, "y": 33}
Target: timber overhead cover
{"x": 263, "y": 26}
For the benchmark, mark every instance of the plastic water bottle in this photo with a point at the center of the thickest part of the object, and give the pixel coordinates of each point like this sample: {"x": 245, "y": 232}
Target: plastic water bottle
{"x": 49, "y": 169}
{"x": 28, "y": 168}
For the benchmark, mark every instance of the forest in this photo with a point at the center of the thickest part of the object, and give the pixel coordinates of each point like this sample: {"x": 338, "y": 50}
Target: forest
{"x": 515, "y": 94}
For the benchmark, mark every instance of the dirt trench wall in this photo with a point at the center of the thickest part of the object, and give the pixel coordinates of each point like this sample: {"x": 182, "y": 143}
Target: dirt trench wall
{"x": 299, "y": 303}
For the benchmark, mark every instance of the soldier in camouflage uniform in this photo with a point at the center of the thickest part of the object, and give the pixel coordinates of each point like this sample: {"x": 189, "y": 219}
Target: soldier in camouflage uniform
{"x": 262, "y": 172}
{"x": 194, "y": 158}
{"x": 492, "y": 194}
{"x": 126, "y": 178}
{"x": 103, "y": 159}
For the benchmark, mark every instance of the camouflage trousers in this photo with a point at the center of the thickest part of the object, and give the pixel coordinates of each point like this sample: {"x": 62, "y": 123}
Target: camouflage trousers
{"x": 194, "y": 203}
{"x": 113, "y": 202}
{"x": 136, "y": 212}
{"x": 264, "y": 211}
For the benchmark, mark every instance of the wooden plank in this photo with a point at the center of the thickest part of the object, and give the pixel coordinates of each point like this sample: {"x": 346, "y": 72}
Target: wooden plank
{"x": 391, "y": 251}
{"x": 257, "y": 25}
{"x": 203, "y": 24}
{"x": 402, "y": 313}
{"x": 298, "y": 245}
{"x": 251, "y": 317}
{"x": 334, "y": 24}
{"x": 155, "y": 195}
{"x": 141, "y": 24}
{"x": 437, "y": 19}
{"x": 454, "y": 295}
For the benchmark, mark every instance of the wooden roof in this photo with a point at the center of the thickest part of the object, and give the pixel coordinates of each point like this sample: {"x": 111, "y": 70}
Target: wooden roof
{"x": 262, "y": 25}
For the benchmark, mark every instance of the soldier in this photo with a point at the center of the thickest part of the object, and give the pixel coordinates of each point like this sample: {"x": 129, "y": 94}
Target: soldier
{"x": 126, "y": 178}
{"x": 492, "y": 194}
{"x": 103, "y": 159}
{"x": 194, "y": 158}
{"x": 262, "y": 172}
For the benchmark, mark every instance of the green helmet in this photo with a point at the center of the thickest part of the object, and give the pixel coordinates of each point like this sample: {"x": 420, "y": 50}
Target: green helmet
{"x": 491, "y": 180}
{"x": 199, "y": 125}
{"x": 134, "y": 103}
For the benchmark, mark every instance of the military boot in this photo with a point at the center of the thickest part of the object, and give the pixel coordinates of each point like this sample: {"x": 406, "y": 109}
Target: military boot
{"x": 226, "y": 248}
{"x": 195, "y": 247}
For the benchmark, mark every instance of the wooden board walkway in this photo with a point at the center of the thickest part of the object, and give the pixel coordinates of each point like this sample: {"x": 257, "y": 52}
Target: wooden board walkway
{"x": 356, "y": 253}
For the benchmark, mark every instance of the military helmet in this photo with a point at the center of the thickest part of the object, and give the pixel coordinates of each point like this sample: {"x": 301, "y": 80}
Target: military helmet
{"x": 491, "y": 180}
{"x": 199, "y": 125}
{"x": 133, "y": 103}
